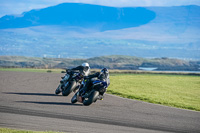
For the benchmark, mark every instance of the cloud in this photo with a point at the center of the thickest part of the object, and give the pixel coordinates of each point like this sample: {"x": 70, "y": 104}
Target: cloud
{"x": 8, "y": 7}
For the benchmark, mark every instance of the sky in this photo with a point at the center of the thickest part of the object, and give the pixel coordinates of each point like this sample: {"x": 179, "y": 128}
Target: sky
{"x": 14, "y": 7}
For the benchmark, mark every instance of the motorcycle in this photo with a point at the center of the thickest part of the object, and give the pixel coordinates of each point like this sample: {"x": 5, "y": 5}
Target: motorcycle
{"x": 91, "y": 94}
{"x": 70, "y": 82}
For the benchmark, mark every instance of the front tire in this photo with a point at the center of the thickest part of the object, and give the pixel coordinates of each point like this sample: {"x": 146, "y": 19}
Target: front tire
{"x": 92, "y": 98}
{"x": 69, "y": 89}
{"x": 74, "y": 99}
{"x": 58, "y": 90}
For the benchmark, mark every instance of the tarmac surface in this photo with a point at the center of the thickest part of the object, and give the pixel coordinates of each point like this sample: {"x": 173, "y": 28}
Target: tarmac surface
{"x": 27, "y": 101}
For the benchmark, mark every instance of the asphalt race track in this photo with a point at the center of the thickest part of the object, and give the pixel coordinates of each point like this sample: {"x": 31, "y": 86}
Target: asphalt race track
{"x": 27, "y": 101}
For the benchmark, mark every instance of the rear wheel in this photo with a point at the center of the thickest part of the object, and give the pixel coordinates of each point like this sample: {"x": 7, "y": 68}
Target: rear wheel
{"x": 92, "y": 98}
{"x": 69, "y": 89}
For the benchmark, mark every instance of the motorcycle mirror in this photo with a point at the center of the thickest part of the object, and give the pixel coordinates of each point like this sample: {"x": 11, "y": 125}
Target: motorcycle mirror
{"x": 63, "y": 72}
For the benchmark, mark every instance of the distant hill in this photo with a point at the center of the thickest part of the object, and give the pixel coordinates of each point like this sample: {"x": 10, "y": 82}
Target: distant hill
{"x": 84, "y": 31}
{"x": 111, "y": 62}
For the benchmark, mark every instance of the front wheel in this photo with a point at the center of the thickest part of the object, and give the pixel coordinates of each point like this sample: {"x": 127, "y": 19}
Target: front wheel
{"x": 92, "y": 98}
{"x": 58, "y": 90}
{"x": 74, "y": 98}
{"x": 69, "y": 89}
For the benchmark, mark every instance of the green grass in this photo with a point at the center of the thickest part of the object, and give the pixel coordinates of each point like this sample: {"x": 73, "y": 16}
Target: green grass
{"x": 7, "y": 130}
{"x": 182, "y": 91}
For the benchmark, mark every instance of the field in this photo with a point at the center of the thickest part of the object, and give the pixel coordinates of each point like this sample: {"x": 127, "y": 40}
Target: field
{"x": 181, "y": 91}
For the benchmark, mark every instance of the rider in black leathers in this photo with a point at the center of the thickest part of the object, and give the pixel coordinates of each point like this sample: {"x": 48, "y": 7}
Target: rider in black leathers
{"x": 84, "y": 69}
{"x": 103, "y": 75}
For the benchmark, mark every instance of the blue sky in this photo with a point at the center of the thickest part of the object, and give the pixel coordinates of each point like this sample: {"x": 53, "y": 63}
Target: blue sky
{"x": 10, "y": 7}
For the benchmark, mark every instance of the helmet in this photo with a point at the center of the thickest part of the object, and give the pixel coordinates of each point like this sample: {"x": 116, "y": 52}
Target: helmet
{"x": 85, "y": 64}
{"x": 105, "y": 71}
{"x": 86, "y": 69}
{"x": 103, "y": 74}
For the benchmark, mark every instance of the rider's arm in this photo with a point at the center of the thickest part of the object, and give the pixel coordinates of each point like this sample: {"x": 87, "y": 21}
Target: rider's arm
{"x": 93, "y": 75}
{"x": 78, "y": 68}
{"x": 70, "y": 71}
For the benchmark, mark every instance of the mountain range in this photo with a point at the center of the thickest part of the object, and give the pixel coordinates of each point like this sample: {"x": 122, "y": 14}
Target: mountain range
{"x": 97, "y": 17}
{"x": 76, "y": 30}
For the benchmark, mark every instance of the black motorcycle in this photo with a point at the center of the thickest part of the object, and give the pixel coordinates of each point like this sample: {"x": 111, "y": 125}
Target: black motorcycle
{"x": 90, "y": 95}
{"x": 70, "y": 82}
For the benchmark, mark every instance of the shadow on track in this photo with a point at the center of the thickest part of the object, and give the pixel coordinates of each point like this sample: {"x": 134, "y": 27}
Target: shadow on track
{"x": 35, "y": 94}
{"x": 51, "y": 103}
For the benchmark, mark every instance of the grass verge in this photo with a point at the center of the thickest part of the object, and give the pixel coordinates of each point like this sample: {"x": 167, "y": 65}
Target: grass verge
{"x": 8, "y": 130}
{"x": 182, "y": 91}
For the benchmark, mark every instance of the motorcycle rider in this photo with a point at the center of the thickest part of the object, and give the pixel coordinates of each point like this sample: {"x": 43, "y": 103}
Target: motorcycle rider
{"x": 84, "y": 70}
{"x": 103, "y": 75}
